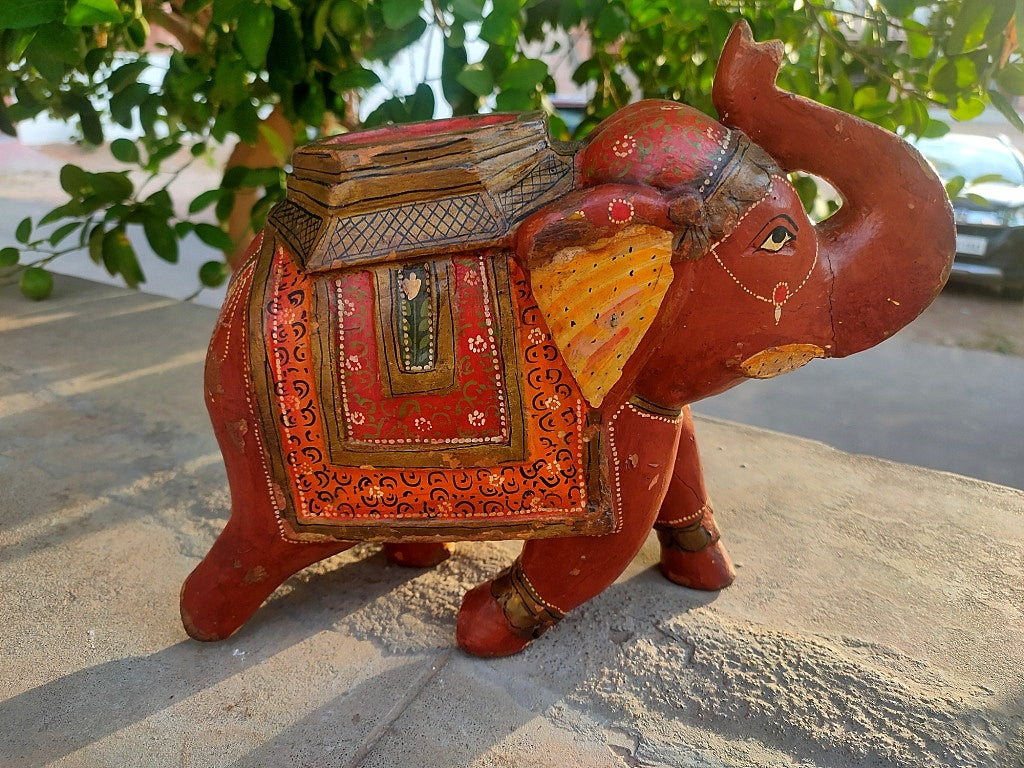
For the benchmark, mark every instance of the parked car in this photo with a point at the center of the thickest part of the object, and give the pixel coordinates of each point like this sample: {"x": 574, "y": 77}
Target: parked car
{"x": 989, "y": 210}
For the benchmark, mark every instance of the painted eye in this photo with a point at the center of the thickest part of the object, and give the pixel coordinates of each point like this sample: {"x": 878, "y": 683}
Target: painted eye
{"x": 777, "y": 239}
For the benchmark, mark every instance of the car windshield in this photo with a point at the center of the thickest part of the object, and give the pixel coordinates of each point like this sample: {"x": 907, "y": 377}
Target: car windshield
{"x": 973, "y": 157}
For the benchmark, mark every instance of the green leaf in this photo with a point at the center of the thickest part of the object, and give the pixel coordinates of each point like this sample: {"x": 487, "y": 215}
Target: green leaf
{"x": 1003, "y": 104}
{"x": 88, "y": 13}
{"x": 399, "y": 13}
{"x": 955, "y": 186}
{"x": 213, "y": 273}
{"x": 119, "y": 257}
{"x": 356, "y": 77}
{"x": 125, "y": 74}
{"x": 347, "y": 18}
{"x": 36, "y": 283}
{"x": 468, "y": 10}
{"x": 524, "y": 74}
{"x": 611, "y": 23}
{"x": 477, "y": 79}
{"x": 1011, "y": 79}
{"x": 513, "y": 100}
{"x": 215, "y": 237}
{"x": 254, "y": 33}
{"x": 124, "y": 101}
{"x": 96, "y": 237}
{"x": 967, "y": 109}
{"x": 24, "y": 230}
{"x": 499, "y": 29}
{"x": 205, "y": 200}
{"x": 919, "y": 40}
{"x": 161, "y": 238}
{"x": 54, "y": 47}
{"x": 124, "y": 150}
{"x": 8, "y": 257}
{"x": 21, "y": 14}
{"x": 63, "y": 231}
{"x": 60, "y": 212}
{"x": 226, "y": 10}
{"x": 934, "y": 129}
{"x": 112, "y": 186}
{"x": 421, "y": 105}
{"x": 901, "y": 8}
{"x": 969, "y": 26}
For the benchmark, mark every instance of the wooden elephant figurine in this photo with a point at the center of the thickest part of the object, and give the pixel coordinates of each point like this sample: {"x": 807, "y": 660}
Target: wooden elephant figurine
{"x": 463, "y": 330}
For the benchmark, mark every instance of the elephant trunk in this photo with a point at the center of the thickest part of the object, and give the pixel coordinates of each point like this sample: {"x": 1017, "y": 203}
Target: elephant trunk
{"x": 890, "y": 246}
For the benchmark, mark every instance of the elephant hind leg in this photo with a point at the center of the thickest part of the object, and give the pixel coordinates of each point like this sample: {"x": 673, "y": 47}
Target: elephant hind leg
{"x": 240, "y": 571}
{"x": 418, "y": 554}
{"x": 692, "y": 553}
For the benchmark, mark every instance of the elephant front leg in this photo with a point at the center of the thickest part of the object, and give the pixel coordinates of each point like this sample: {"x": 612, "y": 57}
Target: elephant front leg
{"x": 553, "y": 576}
{"x": 691, "y": 551}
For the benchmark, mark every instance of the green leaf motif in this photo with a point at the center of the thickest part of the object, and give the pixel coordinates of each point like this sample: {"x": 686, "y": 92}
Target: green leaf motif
{"x": 255, "y": 30}
{"x": 21, "y": 14}
{"x": 88, "y": 13}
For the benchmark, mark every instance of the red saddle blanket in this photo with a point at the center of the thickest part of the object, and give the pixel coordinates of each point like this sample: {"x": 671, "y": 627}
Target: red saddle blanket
{"x": 422, "y": 399}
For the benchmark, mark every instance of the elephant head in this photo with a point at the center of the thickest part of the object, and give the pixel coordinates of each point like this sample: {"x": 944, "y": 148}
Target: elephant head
{"x": 756, "y": 289}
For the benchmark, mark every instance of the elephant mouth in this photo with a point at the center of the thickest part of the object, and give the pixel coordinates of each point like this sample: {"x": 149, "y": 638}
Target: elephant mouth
{"x": 775, "y": 361}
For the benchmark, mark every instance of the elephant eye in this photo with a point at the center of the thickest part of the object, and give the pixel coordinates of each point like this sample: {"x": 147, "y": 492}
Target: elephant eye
{"x": 776, "y": 239}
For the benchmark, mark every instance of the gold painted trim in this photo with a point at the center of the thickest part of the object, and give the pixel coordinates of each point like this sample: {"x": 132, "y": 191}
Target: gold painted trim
{"x": 528, "y": 614}
{"x": 648, "y": 406}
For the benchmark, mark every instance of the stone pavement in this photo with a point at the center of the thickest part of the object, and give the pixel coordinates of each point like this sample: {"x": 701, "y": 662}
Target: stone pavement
{"x": 876, "y": 619}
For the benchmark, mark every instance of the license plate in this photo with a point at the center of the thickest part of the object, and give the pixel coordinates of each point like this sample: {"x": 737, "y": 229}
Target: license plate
{"x": 971, "y": 245}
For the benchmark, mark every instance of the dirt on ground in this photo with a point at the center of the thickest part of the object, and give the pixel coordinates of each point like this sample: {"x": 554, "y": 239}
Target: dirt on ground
{"x": 971, "y": 318}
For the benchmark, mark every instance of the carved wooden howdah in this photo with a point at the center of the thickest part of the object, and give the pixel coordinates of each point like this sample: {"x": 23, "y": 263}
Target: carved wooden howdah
{"x": 465, "y": 330}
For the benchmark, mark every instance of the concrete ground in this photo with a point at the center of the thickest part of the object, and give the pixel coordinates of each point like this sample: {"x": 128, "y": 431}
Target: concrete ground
{"x": 876, "y": 618}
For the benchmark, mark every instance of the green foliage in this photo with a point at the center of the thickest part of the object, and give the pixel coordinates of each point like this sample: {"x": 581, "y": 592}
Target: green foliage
{"x": 314, "y": 60}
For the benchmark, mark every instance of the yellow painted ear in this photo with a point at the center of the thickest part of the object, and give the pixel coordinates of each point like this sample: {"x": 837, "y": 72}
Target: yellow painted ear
{"x": 600, "y": 300}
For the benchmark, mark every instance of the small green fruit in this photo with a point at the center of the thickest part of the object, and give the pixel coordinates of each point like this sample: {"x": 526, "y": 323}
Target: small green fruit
{"x": 36, "y": 283}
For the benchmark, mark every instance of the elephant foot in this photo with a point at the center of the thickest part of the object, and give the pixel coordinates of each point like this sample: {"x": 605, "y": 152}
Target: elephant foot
{"x": 418, "y": 554}
{"x": 503, "y": 616}
{"x": 694, "y": 556}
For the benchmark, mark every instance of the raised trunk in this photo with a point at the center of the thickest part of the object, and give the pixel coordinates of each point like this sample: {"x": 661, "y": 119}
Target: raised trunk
{"x": 890, "y": 246}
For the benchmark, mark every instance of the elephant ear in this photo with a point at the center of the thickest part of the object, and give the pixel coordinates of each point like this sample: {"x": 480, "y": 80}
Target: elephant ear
{"x": 599, "y": 299}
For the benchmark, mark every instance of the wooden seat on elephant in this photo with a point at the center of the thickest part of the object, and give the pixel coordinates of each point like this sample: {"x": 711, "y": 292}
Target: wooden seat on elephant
{"x": 419, "y": 190}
